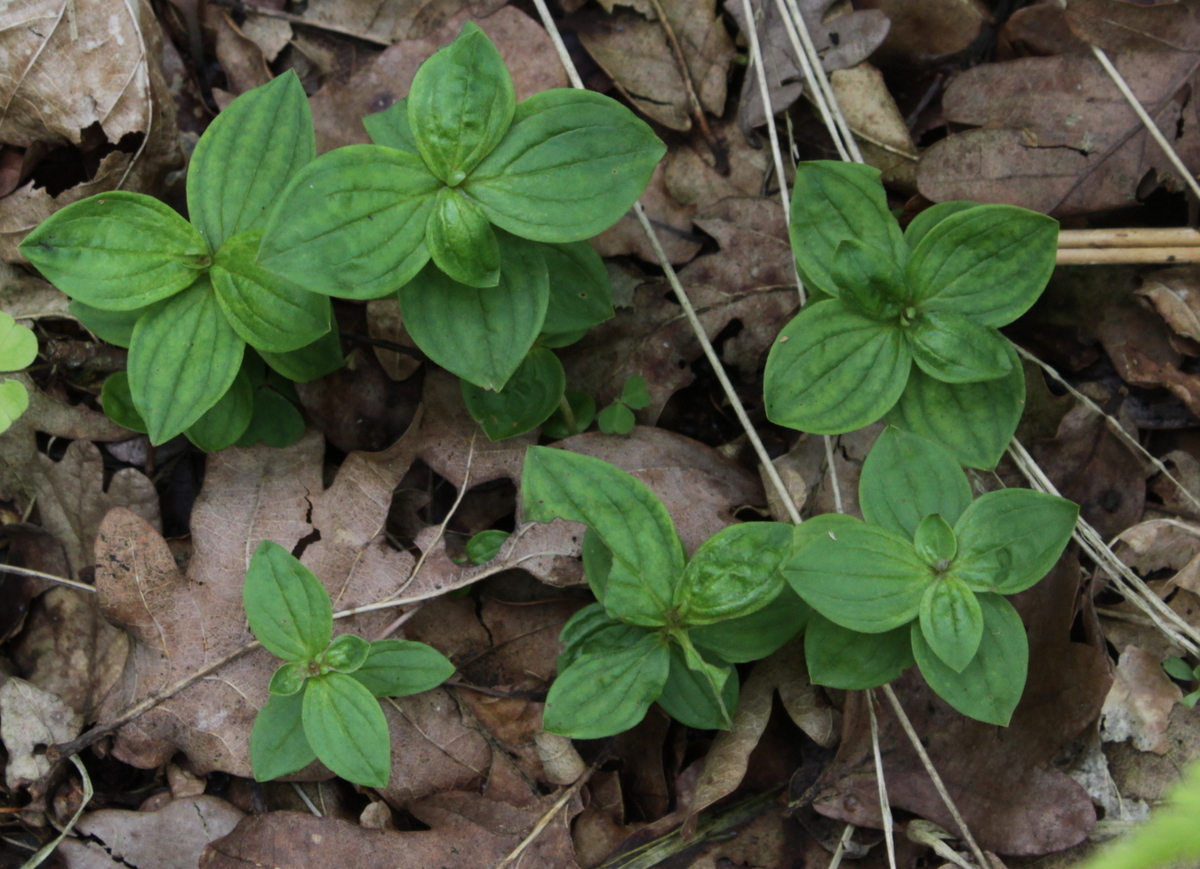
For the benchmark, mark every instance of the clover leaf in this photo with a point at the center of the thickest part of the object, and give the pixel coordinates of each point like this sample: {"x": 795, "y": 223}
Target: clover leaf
{"x": 18, "y": 349}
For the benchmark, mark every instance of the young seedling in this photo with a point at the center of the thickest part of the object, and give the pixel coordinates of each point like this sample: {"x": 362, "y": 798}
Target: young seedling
{"x": 322, "y": 702}
{"x": 924, "y": 578}
{"x": 664, "y": 628}
{"x": 617, "y": 418}
{"x": 1177, "y": 668}
{"x": 472, "y": 206}
{"x": 906, "y": 322}
{"x": 187, "y": 298}
{"x": 18, "y": 349}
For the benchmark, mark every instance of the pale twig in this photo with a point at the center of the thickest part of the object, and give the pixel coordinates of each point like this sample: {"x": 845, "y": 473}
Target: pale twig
{"x": 764, "y": 90}
{"x": 46, "y": 850}
{"x": 399, "y": 620}
{"x": 1080, "y": 256}
{"x": 564, "y": 57}
{"x": 305, "y": 799}
{"x": 49, "y": 577}
{"x": 714, "y": 146}
{"x": 814, "y": 90}
{"x": 551, "y": 813}
{"x": 840, "y": 851}
{"x": 833, "y": 474}
{"x": 1138, "y": 236}
{"x": 885, "y": 805}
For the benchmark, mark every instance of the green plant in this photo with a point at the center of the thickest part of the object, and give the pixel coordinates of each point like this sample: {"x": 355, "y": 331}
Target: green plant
{"x": 322, "y": 702}
{"x": 18, "y": 349}
{"x": 906, "y": 322}
{"x": 474, "y": 207}
{"x": 1177, "y": 668}
{"x": 617, "y": 418}
{"x": 186, "y": 298}
{"x": 664, "y": 628}
{"x": 924, "y": 578}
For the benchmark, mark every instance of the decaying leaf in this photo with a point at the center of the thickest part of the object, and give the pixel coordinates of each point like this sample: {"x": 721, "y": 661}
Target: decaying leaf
{"x": 31, "y": 719}
{"x": 1139, "y": 703}
{"x": 874, "y": 118}
{"x": 671, "y": 219}
{"x": 387, "y": 21}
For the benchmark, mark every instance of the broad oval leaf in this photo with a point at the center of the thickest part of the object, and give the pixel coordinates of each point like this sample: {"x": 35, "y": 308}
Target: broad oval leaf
{"x": 278, "y": 745}
{"x": 287, "y": 607}
{"x": 115, "y": 327}
{"x": 352, "y": 223}
{"x": 604, "y": 693}
{"x": 580, "y": 289}
{"x": 974, "y": 421}
{"x": 276, "y": 421}
{"x": 860, "y": 576}
{"x": 934, "y": 541}
{"x": 117, "y": 401}
{"x": 869, "y": 280}
{"x": 14, "y": 401}
{"x": 834, "y": 201}
{"x": 593, "y": 631}
{"x": 687, "y": 696}
{"x": 246, "y": 157}
{"x": 989, "y": 263}
{"x": 907, "y": 477}
{"x": 597, "y": 563}
{"x": 398, "y": 668}
{"x": 486, "y": 545}
{"x": 288, "y": 679}
{"x": 734, "y": 573}
{"x": 184, "y": 356}
{"x": 461, "y": 104}
{"x": 321, "y": 357}
{"x": 920, "y": 225}
{"x": 269, "y": 312}
{"x": 117, "y": 251}
{"x": 951, "y": 622}
{"x": 838, "y": 657}
{"x": 1008, "y": 540}
{"x": 346, "y": 653}
{"x": 18, "y": 344}
{"x": 569, "y": 166}
{"x": 647, "y": 554}
{"x": 390, "y": 128}
{"x": 227, "y": 420}
{"x": 990, "y": 687}
{"x": 527, "y": 399}
{"x": 832, "y": 370}
{"x": 461, "y": 240}
{"x": 482, "y": 335}
{"x": 347, "y": 729}
{"x": 754, "y": 636}
{"x": 955, "y": 349}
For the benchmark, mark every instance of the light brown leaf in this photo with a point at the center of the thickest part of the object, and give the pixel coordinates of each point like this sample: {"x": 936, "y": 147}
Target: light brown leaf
{"x": 30, "y": 719}
{"x": 672, "y": 222}
{"x": 1119, "y": 26}
{"x": 1139, "y": 703}
{"x": 395, "y": 20}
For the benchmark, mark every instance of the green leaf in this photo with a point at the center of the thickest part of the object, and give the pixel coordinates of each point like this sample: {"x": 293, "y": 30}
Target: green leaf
{"x": 580, "y": 290}
{"x": 988, "y": 688}
{"x": 390, "y": 128}
{"x": 18, "y": 344}
{"x": 461, "y": 240}
{"x": 288, "y": 679}
{"x": 832, "y": 370}
{"x": 869, "y": 281}
{"x": 461, "y": 104}
{"x": 635, "y": 393}
{"x": 687, "y": 696}
{"x": 267, "y": 311}
{"x": 278, "y": 745}
{"x": 734, "y": 573}
{"x": 572, "y": 163}
{"x": 934, "y": 541}
{"x": 287, "y": 607}
{"x": 14, "y": 401}
{"x": 593, "y": 631}
{"x": 346, "y": 653}
{"x": 647, "y": 555}
{"x": 838, "y": 657}
{"x": 183, "y": 358}
{"x": 1010, "y": 539}
{"x": 485, "y": 545}
{"x": 117, "y": 401}
{"x": 832, "y": 202}
{"x": 907, "y": 477}
{"x": 603, "y": 693}
{"x": 754, "y": 636}
{"x": 527, "y": 399}
{"x": 352, "y": 223}
{"x": 989, "y": 263}
{"x": 974, "y": 421}
{"x": 954, "y": 349}
{"x": 321, "y": 357}
{"x": 398, "y": 668}
{"x": 616, "y": 419}
{"x": 583, "y": 411}
{"x": 1177, "y": 668}
{"x": 860, "y": 576}
{"x": 597, "y": 562}
{"x": 117, "y": 250}
{"x": 482, "y": 335}
{"x": 247, "y": 156}
{"x": 115, "y": 327}
{"x": 931, "y": 217}
{"x": 227, "y": 420}
{"x": 346, "y": 728}
{"x": 951, "y": 622}
{"x": 276, "y": 421}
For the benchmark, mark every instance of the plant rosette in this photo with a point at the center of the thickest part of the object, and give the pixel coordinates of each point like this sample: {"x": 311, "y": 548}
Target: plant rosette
{"x": 468, "y": 203}
{"x": 323, "y": 701}
{"x": 187, "y": 298}
{"x": 664, "y": 628}
{"x": 924, "y": 578}
{"x": 906, "y": 322}
{"x": 18, "y": 349}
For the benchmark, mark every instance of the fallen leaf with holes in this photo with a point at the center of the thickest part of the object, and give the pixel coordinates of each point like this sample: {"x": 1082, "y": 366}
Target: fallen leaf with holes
{"x": 1028, "y": 807}
{"x": 840, "y": 42}
{"x": 636, "y": 53}
{"x": 1139, "y": 703}
{"x": 171, "y": 838}
{"x": 31, "y": 718}
{"x": 1055, "y": 134}
{"x": 85, "y": 76}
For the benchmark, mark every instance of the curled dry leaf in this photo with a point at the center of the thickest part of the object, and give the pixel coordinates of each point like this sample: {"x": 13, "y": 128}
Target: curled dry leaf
{"x": 1139, "y": 703}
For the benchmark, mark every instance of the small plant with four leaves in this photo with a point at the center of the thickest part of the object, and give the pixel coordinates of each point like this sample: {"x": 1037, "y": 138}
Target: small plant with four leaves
{"x": 322, "y": 701}
{"x": 18, "y": 349}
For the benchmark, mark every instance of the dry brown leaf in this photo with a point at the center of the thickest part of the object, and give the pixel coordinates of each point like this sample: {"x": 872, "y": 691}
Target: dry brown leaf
{"x": 1139, "y": 703}
{"x": 691, "y": 175}
{"x": 384, "y": 322}
{"x": 1115, "y": 26}
{"x": 28, "y": 296}
{"x": 1176, "y": 296}
{"x": 1144, "y": 775}
{"x": 872, "y": 114}
{"x": 924, "y": 32}
{"x": 31, "y": 719}
{"x": 240, "y": 57}
{"x": 171, "y": 838}
{"x": 1057, "y": 136}
{"x": 671, "y": 220}
{"x": 32, "y": 547}
{"x": 1038, "y": 30}
{"x": 396, "y": 20}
